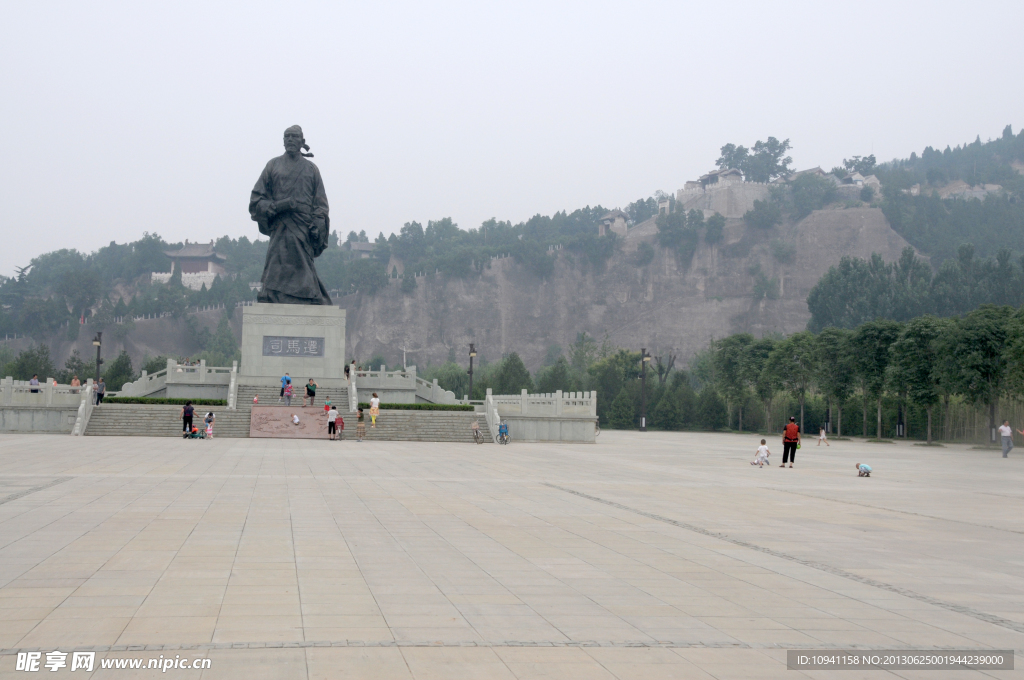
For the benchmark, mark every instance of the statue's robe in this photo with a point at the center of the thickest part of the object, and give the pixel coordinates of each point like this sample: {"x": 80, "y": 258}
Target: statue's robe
{"x": 296, "y": 236}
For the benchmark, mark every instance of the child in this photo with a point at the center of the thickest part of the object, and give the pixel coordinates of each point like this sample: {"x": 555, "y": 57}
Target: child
{"x": 360, "y": 426}
{"x": 327, "y": 406}
{"x": 863, "y": 470}
{"x": 339, "y": 427}
{"x": 761, "y": 457}
{"x": 295, "y": 419}
{"x": 374, "y": 410}
{"x": 209, "y": 425}
{"x": 822, "y": 437}
{"x": 288, "y": 394}
{"x": 332, "y": 417}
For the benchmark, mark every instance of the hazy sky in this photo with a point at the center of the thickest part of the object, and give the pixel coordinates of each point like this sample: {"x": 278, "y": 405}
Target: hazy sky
{"x": 125, "y": 118}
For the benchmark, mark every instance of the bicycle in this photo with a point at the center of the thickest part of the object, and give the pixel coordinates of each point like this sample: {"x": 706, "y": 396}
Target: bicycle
{"x": 478, "y": 436}
{"x": 597, "y": 427}
{"x": 503, "y": 436}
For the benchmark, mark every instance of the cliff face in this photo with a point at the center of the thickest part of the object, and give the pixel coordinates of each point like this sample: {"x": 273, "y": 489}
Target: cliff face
{"x": 666, "y": 305}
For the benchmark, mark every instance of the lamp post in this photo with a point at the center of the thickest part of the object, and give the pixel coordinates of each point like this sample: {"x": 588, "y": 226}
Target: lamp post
{"x": 98, "y": 341}
{"x": 472, "y": 353}
{"x": 644, "y": 360}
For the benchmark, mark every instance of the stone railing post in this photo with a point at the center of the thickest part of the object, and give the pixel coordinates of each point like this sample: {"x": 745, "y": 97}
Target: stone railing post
{"x": 172, "y": 370}
{"x": 353, "y": 394}
{"x": 524, "y": 402}
{"x": 558, "y": 402}
{"x": 7, "y": 397}
{"x": 434, "y": 389}
{"x": 202, "y": 370}
{"x": 593, "y": 403}
{"x": 48, "y": 392}
{"x": 233, "y": 387}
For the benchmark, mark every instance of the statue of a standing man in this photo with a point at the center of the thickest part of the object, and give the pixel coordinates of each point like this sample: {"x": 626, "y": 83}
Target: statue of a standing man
{"x": 290, "y": 206}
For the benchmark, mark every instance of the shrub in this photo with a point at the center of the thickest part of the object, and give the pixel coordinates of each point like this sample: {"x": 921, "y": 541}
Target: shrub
{"x": 164, "y": 400}
{"x": 765, "y": 215}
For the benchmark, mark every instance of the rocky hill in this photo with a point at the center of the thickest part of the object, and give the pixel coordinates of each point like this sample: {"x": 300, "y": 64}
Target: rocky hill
{"x": 754, "y": 280}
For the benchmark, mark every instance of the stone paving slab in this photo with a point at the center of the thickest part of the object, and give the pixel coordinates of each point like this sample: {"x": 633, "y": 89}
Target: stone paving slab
{"x": 656, "y": 555}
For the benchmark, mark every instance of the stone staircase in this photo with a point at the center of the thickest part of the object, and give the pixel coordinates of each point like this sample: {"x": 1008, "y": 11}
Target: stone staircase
{"x": 161, "y": 420}
{"x": 419, "y": 426}
{"x": 270, "y": 394}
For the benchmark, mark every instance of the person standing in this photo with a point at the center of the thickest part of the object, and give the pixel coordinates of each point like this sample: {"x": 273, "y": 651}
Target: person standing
{"x": 360, "y": 426}
{"x": 186, "y": 417}
{"x": 332, "y": 416}
{"x": 34, "y": 382}
{"x": 790, "y": 440}
{"x": 1007, "y": 436}
{"x": 209, "y": 424}
{"x": 285, "y": 379}
{"x": 288, "y": 393}
{"x": 822, "y": 437}
{"x": 101, "y": 389}
{"x": 374, "y": 410}
{"x": 76, "y": 385}
{"x": 348, "y": 371}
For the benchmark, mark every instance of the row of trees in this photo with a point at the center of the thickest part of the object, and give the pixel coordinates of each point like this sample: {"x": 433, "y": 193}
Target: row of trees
{"x": 857, "y": 290}
{"x": 218, "y": 348}
{"x": 928, "y": 360}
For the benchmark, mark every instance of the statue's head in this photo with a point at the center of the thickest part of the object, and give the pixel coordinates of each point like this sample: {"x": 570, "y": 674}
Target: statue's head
{"x": 293, "y": 139}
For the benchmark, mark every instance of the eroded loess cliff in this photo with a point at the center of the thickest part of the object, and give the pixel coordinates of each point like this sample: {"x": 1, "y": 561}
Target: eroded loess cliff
{"x": 755, "y": 281}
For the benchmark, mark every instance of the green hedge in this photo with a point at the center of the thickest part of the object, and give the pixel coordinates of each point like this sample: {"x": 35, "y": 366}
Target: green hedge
{"x": 162, "y": 400}
{"x": 420, "y": 407}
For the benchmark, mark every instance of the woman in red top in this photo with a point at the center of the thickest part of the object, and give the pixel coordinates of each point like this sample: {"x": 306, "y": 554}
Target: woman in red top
{"x": 790, "y": 440}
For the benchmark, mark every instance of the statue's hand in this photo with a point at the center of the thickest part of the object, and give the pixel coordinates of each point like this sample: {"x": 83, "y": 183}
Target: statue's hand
{"x": 284, "y": 205}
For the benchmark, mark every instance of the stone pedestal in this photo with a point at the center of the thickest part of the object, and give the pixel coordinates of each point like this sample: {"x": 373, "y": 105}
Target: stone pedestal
{"x": 305, "y": 341}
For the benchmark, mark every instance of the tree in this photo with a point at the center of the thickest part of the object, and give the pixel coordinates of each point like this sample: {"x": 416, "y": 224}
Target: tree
{"x": 512, "y": 376}
{"x": 793, "y": 363}
{"x": 715, "y": 226}
{"x": 810, "y": 192}
{"x": 663, "y": 369}
{"x": 834, "y": 361}
{"x": 32, "y": 361}
{"x": 980, "y": 354}
{"x": 728, "y": 357}
{"x": 762, "y": 163}
{"x": 765, "y": 215}
{"x": 667, "y": 414}
{"x": 622, "y": 412}
{"x": 556, "y": 377}
{"x": 711, "y": 410}
{"x": 118, "y": 372}
{"x": 762, "y": 380}
{"x": 917, "y": 354}
{"x": 864, "y": 166}
{"x": 871, "y": 343}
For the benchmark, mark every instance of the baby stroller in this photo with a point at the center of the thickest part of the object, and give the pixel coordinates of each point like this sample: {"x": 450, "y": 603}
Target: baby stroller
{"x": 196, "y": 433}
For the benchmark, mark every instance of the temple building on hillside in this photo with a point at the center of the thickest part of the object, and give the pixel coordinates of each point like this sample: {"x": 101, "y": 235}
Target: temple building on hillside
{"x": 198, "y": 263}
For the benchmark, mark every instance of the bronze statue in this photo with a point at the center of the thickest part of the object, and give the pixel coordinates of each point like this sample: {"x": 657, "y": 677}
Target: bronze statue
{"x": 290, "y": 206}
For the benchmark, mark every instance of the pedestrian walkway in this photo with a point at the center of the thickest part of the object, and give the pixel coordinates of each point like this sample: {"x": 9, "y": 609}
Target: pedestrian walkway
{"x": 649, "y": 555}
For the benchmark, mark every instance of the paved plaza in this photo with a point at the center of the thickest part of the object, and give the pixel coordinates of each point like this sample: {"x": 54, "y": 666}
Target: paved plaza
{"x": 646, "y": 556}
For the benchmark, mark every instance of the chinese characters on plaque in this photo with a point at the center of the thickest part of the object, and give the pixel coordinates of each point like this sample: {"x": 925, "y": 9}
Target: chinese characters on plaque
{"x": 281, "y": 346}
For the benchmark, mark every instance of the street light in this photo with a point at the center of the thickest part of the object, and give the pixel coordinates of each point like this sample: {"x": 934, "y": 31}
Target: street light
{"x": 472, "y": 353}
{"x": 645, "y": 358}
{"x": 98, "y": 341}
